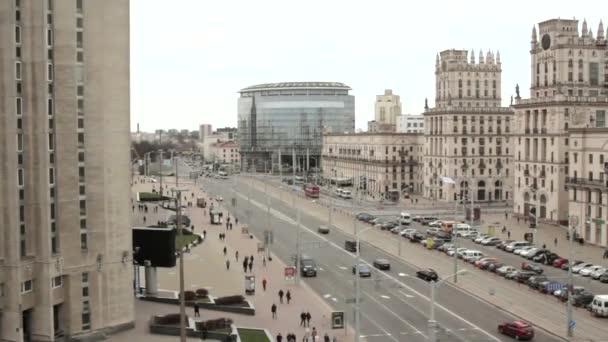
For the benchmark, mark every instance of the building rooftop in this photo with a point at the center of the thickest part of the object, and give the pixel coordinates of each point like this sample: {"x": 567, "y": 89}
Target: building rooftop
{"x": 296, "y": 85}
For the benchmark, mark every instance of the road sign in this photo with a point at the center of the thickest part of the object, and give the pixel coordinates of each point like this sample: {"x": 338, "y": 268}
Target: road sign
{"x": 337, "y": 320}
{"x": 290, "y": 273}
{"x": 599, "y": 220}
{"x": 572, "y": 324}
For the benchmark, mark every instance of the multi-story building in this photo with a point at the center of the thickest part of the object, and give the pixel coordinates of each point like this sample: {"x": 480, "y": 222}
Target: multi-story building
{"x": 231, "y": 132}
{"x": 467, "y": 134}
{"x": 376, "y": 162}
{"x": 226, "y": 152}
{"x": 569, "y": 75}
{"x": 204, "y": 130}
{"x": 408, "y": 123}
{"x": 387, "y": 108}
{"x": 587, "y": 183}
{"x": 65, "y": 238}
{"x": 278, "y": 120}
{"x": 378, "y": 127}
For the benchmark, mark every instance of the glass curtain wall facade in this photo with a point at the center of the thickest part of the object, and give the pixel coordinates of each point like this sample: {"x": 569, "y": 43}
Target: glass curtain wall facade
{"x": 276, "y": 119}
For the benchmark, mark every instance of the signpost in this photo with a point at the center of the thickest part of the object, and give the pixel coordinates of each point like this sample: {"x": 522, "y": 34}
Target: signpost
{"x": 261, "y": 247}
{"x": 337, "y": 320}
{"x": 290, "y": 273}
{"x": 250, "y": 284}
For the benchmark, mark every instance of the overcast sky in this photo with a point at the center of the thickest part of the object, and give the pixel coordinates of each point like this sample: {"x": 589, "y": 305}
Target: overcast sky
{"x": 190, "y": 57}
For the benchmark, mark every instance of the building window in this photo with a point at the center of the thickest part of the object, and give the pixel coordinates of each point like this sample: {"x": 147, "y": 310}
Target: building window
{"x": 56, "y": 282}
{"x": 79, "y": 6}
{"x": 600, "y": 118}
{"x": 594, "y": 73}
{"x": 27, "y": 286}
{"x": 83, "y": 241}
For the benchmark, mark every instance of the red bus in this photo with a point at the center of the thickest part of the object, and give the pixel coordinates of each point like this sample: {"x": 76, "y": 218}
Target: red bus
{"x": 312, "y": 190}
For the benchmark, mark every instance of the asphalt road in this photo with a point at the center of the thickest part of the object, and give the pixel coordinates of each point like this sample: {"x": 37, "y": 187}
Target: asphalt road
{"x": 395, "y": 304}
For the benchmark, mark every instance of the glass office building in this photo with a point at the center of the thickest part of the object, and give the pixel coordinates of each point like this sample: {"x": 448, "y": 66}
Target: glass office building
{"x": 276, "y": 119}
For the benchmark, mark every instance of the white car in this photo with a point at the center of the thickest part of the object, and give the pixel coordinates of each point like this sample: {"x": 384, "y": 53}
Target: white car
{"x": 481, "y": 237}
{"x": 435, "y": 223}
{"x": 597, "y": 274}
{"x": 523, "y": 249}
{"x": 581, "y": 266}
{"x": 529, "y": 251}
{"x": 586, "y": 272}
{"x": 407, "y": 231}
{"x": 460, "y": 251}
{"x": 219, "y": 198}
{"x": 492, "y": 240}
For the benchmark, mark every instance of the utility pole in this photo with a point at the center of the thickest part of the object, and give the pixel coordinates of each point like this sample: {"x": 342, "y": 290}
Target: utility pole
{"x": 357, "y": 281}
{"x": 455, "y": 237}
{"x": 182, "y": 306}
{"x": 570, "y": 321}
{"x": 176, "y": 172}
{"x": 160, "y": 164}
{"x": 268, "y": 214}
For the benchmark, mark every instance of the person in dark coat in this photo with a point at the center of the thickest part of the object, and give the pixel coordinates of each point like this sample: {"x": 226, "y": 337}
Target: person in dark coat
{"x": 250, "y": 266}
{"x": 281, "y": 293}
{"x": 196, "y": 310}
{"x": 308, "y": 317}
{"x": 279, "y": 338}
{"x": 303, "y": 319}
{"x": 273, "y": 309}
{"x": 288, "y": 296}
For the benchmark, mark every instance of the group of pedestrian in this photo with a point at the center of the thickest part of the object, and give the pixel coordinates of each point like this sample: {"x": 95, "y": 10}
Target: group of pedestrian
{"x": 287, "y": 296}
{"x": 247, "y": 263}
{"x": 222, "y": 236}
{"x": 305, "y": 319}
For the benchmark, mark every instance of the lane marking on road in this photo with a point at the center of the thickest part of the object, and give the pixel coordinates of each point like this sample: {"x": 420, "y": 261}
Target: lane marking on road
{"x": 326, "y": 295}
{"x": 343, "y": 268}
{"x": 405, "y": 294}
{"x": 401, "y": 274}
{"x": 339, "y": 248}
{"x": 394, "y": 314}
{"x": 386, "y": 333}
{"x": 334, "y": 299}
{"x": 385, "y": 297}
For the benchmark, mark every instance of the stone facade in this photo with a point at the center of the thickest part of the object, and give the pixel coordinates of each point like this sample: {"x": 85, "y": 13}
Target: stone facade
{"x": 387, "y": 108}
{"x": 569, "y": 74}
{"x": 65, "y": 214}
{"x": 410, "y": 123}
{"x": 226, "y": 153}
{"x": 376, "y": 162}
{"x": 467, "y": 134}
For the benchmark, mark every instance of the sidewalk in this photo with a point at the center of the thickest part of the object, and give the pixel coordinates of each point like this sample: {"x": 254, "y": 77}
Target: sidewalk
{"x": 205, "y": 267}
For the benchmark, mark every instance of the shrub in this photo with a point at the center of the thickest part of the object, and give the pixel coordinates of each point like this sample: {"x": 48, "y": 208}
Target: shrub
{"x": 237, "y": 299}
{"x": 169, "y": 319}
{"x": 201, "y": 293}
{"x": 213, "y": 324}
{"x": 189, "y": 295}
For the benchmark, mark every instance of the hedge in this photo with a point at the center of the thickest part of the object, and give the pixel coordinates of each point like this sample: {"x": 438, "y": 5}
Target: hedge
{"x": 213, "y": 324}
{"x": 228, "y": 300}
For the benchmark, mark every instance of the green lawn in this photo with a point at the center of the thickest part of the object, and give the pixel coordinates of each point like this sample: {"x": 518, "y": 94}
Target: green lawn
{"x": 184, "y": 240}
{"x": 252, "y": 335}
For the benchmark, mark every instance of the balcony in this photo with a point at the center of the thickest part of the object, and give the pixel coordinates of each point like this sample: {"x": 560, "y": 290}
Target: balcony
{"x": 578, "y": 182}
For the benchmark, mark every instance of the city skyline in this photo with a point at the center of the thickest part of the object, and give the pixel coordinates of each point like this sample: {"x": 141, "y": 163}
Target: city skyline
{"x": 216, "y": 58}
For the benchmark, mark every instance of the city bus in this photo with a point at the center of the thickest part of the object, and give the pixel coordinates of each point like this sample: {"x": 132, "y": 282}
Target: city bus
{"x": 312, "y": 190}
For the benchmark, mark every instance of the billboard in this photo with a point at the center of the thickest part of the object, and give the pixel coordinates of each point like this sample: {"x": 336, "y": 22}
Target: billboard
{"x": 154, "y": 244}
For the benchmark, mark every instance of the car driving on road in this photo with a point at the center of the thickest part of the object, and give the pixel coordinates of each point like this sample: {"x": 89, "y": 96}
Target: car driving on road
{"x": 382, "y": 264}
{"x": 517, "y": 329}
{"x": 427, "y": 274}
{"x": 364, "y": 271}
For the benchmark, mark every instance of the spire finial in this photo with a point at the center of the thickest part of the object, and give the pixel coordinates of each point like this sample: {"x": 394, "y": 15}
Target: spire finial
{"x": 585, "y": 31}
{"x": 497, "y": 57}
{"x": 480, "y": 56}
{"x": 472, "y": 56}
{"x": 600, "y": 30}
{"x": 534, "y": 36}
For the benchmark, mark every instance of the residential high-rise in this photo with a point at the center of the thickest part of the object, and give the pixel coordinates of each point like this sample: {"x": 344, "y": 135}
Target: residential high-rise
{"x": 569, "y": 75}
{"x": 204, "y": 131}
{"x": 467, "y": 134}
{"x": 65, "y": 237}
{"x": 387, "y": 108}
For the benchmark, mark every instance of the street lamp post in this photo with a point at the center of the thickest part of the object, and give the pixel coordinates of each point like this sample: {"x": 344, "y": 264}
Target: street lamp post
{"x": 432, "y": 323}
{"x": 572, "y": 229}
{"x": 357, "y": 280}
{"x": 182, "y": 306}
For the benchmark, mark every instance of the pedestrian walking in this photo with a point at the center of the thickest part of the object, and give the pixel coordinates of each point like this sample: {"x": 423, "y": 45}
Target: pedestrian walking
{"x": 245, "y": 266}
{"x": 326, "y": 338}
{"x": 281, "y": 293}
{"x": 196, "y": 310}
{"x": 314, "y": 333}
{"x": 264, "y": 282}
{"x": 308, "y": 317}
{"x": 273, "y": 309}
{"x": 250, "y": 266}
{"x": 227, "y": 264}
{"x": 279, "y": 338}
{"x": 225, "y": 250}
{"x": 504, "y": 229}
{"x": 506, "y": 215}
{"x": 303, "y": 319}
{"x": 517, "y": 219}
{"x": 230, "y": 225}
{"x": 306, "y": 336}
{"x": 605, "y": 256}
{"x": 288, "y": 296}
{"x": 204, "y": 234}
{"x": 251, "y": 257}
{"x": 236, "y": 220}
{"x": 555, "y": 242}
{"x": 236, "y": 255}
{"x": 544, "y": 246}
{"x": 264, "y": 261}
{"x": 144, "y": 219}
{"x": 508, "y": 234}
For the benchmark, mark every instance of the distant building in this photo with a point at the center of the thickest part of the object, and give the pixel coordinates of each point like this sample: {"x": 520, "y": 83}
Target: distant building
{"x": 204, "y": 131}
{"x": 408, "y": 123}
{"x": 276, "y": 118}
{"x": 467, "y": 134}
{"x": 387, "y": 109}
{"x": 230, "y": 131}
{"x": 144, "y": 136}
{"x": 376, "y": 162}
{"x": 378, "y": 127}
{"x": 225, "y": 153}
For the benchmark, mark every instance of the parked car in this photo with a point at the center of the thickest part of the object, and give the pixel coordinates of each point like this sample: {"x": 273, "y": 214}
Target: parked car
{"x": 504, "y": 244}
{"x": 574, "y": 263}
{"x": 382, "y": 264}
{"x": 484, "y": 261}
{"x": 219, "y": 198}
{"x": 522, "y": 250}
{"x": 531, "y": 252}
{"x": 445, "y": 247}
{"x": 458, "y": 251}
{"x": 427, "y": 219}
{"x": 505, "y": 269}
{"x": 491, "y": 241}
{"x": 582, "y": 298}
{"x": 389, "y": 225}
{"x": 351, "y": 246}
{"x": 531, "y": 267}
{"x": 364, "y": 271}
{"x": 397, "y": 230}
{"x": 427, "y": 274}
{"x": 559, "y": 262}
{"x": 546, "y": 257}
{"x": 432, "y": 231}
{"x": 536, "y": 281}
{"x": 417, "y": 218}
{"x": 581, "y": 266}
{"x": 436, "y": 223}
{"x": 416, "y": 237}
{"x": 586, "y": 272}
{"x": 517, "y": 329}
{"x": 599, "y": 306}
{"x": 523, "y": 276}
{"x": 480, "y": 238}
{"x": 512, "y": 275}
{"x": 365, "y": 217}
{"x": 603, "y": 278}
{"x": 406, "y": 232}
{"x": 550, "y": 286}
{"x": 597, "y": 274}
{"x": 493, "y": 266}
{"x": 516, "y": 245}
{"x": 379, "y": 222}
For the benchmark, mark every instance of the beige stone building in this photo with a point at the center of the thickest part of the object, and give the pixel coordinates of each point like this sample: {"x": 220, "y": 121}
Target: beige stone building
{"x": 376, "y": 162}
{"x": 587, "y": 181}
{"x": 467, "y": 134}
{"x": 65, "y": 237}
{"x": 226, "y": 152}
{"x": 387, "y": 108}
{"x": 569, "y": 74}
{"x": 408, "y": 123}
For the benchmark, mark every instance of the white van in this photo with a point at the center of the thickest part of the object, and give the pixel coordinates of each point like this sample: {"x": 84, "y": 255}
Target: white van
{"x": 346, "y": 194}
{"x": 462, "y": 229}
{"x": 405, "y": 218}
{"x": 599, "y": 306}
{"x": 472, "y": 254}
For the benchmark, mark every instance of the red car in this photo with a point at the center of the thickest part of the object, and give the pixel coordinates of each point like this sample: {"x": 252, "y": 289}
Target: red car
{"x": 559, "y": 262}
{"x": 518, "y": 329}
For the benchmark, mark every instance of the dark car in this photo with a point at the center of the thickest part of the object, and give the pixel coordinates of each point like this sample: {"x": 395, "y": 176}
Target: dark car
{"x": 582, "y": 298}
{"x": 323, "y": 230}
{"x": 427, "y": 274}
{"x": 523, "y": 276}
{"x": 546, "y": 257}
{"x": 365, "y": 217}
{"x": 604, "y": 278}
{"x": 389, "y": 225}
{"x": 427, "y": 219}
{"x": 517, "y": 329}
{"x": 531, "y": 267}
{"x": 536, "y": 281}
{"x": 492, "y": 267}
{"x": 308, "y": 267}
{"x": 350, "y": 245}
{"x": 447, "y": 236}
{"x": 530, "y": 256}
{"x": 382, "y": 264}
{"x": 416, "y": 237}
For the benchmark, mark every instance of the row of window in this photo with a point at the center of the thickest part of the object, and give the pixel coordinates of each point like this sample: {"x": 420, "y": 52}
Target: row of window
{"x": 20, "y": 143}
